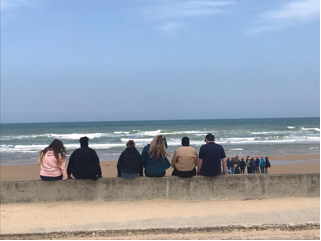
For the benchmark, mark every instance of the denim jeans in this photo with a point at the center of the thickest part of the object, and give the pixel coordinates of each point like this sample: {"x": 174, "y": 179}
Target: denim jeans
{"x": 232, "y": 170}
{"x": 262, "y": 169}
{"x": 129, "y": 175}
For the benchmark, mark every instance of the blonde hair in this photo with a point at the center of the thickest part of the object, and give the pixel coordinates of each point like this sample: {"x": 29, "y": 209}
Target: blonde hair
{"x": 157, "y": 148}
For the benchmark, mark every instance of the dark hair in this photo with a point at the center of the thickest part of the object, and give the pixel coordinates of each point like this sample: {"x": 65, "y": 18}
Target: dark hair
{"x": 130, "y": 143}
{"x": 57, "y": 147}
{"x": 210, "y": 137}
{"x": 242, "y": 159}
{"x": 266, "y": 158}
{"x": 185, "y": 141}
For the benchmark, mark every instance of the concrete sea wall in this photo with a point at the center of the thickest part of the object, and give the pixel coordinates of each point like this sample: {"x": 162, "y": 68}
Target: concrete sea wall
{"x": 225, "y": 187}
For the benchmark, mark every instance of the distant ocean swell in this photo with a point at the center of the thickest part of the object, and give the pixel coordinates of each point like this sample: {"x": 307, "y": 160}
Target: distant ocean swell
{"x": 96, "y": 140}
{"x": 21, "y": 143}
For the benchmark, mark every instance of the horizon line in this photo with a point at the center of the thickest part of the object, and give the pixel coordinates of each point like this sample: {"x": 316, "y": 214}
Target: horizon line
{"x": 56, "y": 122}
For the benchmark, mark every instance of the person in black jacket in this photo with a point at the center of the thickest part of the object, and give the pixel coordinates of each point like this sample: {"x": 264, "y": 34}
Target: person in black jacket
{"x": 229, "y": 163}
{"x": 130, "y": 164}
{"x": 84, "y": 162}
{"x": 267, "y": 165}
{"x": 242, "y": 165}
{"x": 257, "y": 165}
{"x": 253, "y": 165}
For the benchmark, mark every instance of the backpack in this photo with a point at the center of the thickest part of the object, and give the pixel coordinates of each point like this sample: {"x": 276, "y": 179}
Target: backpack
{"x": 268, "y": 164}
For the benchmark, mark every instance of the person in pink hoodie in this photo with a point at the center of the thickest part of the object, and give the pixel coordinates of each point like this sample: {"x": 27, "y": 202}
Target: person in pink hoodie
{"x": 52, "y": 162}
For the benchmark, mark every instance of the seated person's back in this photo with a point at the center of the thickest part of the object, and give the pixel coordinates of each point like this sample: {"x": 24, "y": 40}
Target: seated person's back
{"x": 130, "y": 164}
{"x": 84, "y": 162}
{"x": 184, "y": 160}
{"x": 210, "y": 157}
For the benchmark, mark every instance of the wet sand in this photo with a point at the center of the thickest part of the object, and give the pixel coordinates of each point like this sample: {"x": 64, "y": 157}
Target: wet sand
{"x": 290, "y": 164}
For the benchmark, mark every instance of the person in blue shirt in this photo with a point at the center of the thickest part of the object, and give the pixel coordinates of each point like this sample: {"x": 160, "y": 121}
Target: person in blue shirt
{"x": 210, "y": 157}
{"x": 154, "y": 157}
{"x": 262, "y": 164}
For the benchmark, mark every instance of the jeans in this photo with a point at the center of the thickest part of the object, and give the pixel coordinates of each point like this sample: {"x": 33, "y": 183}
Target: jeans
{"x": 156, "y": 175}
{"x": 129, "y": 175}
{"x": 249, "y": 170}
{"x": 232, "y": 170}
{"x": 51, "y": 178}
{"x": 257, "y": 170}
{"x": 242, "y": 170}
{"x": 253, "y": 170}
{"x": 184, "y": 174}
{"x": 262, "y": 169}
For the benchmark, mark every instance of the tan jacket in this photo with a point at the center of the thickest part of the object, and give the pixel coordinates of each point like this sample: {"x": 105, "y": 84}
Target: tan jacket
{"x": 185, "y": 159}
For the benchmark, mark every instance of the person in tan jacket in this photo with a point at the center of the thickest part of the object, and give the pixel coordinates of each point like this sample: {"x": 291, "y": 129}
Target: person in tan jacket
{"x": 185, "y": 160}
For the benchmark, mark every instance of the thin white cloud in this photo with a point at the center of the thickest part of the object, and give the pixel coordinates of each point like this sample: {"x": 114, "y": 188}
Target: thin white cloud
{"x": 172, "y": 13}
{"x": 182, "y": 8}
{"x": 14, "y": 4}
{"x": 290, "y": 14}
{"x": 170, "y": 28}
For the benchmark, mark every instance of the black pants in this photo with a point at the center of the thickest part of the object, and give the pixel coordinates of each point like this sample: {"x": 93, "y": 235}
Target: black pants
{"x": 184, "y": 174}
{"x": 85, "y": 176}
{"x": 156, "y": 175}
{"x": 51, "y": 178}
{"x": 242, "y": 170}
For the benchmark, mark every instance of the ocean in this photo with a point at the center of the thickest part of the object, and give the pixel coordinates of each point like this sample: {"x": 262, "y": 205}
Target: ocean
{"x": 21, "y": 143}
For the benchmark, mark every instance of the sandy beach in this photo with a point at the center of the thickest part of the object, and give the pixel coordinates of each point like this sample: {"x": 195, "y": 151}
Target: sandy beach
{"x": 289, "y": 164}
{"x": 90, "y": 216}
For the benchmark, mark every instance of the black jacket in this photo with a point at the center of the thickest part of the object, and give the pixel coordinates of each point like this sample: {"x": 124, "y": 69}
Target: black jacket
{"x": 130, "y": 161}
{"x": 84, "y": 163}
{"x": 242, "y": 164}
{"x": 252, "y": 163}
{"x": 229, "y": 163}
{"x": 257, "y": 162}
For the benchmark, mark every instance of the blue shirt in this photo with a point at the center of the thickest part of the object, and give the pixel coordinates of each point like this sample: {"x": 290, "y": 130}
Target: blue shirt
{"x": 154, "y": 166}
{"x": 211, "y": 153}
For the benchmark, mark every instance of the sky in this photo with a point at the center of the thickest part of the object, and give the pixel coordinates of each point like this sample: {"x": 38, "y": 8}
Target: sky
{"x": 110, "y": 60}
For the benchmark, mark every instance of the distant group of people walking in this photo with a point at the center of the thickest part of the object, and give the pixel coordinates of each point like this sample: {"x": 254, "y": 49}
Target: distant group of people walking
{"x": 153, "y": 161}
{"x": 237, "y": 166}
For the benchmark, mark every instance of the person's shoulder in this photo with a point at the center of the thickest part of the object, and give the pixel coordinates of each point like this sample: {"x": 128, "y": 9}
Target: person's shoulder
{"x": 192, "y": 148}
{"x": 146, "y": 147}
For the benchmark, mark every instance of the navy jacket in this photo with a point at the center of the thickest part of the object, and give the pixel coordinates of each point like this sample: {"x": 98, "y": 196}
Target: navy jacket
{"x": 130, "y": 161}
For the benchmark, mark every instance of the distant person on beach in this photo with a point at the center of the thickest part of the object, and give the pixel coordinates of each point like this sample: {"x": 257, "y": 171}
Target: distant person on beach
{"x": 267, "y": 164}
{"x": 242, "y": 165}
{"x": 130, "y": 164}
{"x": 253, "y": 165}
{"x": 237, "y": 160}
{"x": 262, "y": 165}
{"x": 210, "y": 157}
{"x": 154, "y": 157}
{"x": 248, "y": 165}
{"x": 237, "y": 169}
{"x": 52, "y": 162}
{"x": 84, "y": 162}
{"x": 229, "y": 164}
{"x": 184, "y": 160}
{"x": 232, "y": 165}
{"x": 257, "y": 165}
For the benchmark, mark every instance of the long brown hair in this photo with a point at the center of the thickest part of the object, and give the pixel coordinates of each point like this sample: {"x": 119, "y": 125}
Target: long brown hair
{"x": 58, "y": 148}
{"x": 157, "y": 148}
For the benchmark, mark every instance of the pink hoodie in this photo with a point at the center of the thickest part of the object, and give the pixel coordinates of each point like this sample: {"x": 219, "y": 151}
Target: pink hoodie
{"x": 50, "y": 168}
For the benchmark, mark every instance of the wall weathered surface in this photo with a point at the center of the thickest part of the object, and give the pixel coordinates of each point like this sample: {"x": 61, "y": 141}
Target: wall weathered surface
{"x": 143, "y": 188}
